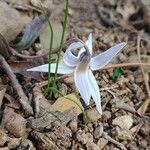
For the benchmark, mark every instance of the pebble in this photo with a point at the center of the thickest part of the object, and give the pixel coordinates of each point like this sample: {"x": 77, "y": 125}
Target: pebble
{"x": 84, "y": 138}
{"x": 98, "y": 132}
{"x": 73, "y": 125}
{"x": 102, "y": 142}
{"x": 93, "y": 115}
{"x": 123, "y": 134}
{"x": 106, "y": 115}
{"x": 92, "y": 146}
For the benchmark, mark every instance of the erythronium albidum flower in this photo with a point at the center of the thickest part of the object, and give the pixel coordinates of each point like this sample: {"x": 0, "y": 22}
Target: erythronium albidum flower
{"x": 82, "y": 67}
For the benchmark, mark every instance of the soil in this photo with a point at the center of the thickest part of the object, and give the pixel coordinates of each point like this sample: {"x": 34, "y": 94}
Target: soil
{"x": 29, "y": 121}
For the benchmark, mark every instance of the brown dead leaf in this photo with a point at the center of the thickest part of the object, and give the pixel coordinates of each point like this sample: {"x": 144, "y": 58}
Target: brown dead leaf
{"x": 21, "y": 67}
{"x": 11, "y": 22}
{"x": 18, "y": 66}
{"x": 2, "y": 93}
{"x": 124, "y": 122}
{"x": 62, "y": 104}
{"x": 143, "y": 108}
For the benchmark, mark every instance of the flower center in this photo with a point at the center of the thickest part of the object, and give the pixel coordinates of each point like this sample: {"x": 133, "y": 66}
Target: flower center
{"x": 84, "y": 62}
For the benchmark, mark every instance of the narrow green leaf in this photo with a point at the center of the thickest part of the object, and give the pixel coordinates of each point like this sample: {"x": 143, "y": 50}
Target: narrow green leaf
{"x": 117, "y": 72}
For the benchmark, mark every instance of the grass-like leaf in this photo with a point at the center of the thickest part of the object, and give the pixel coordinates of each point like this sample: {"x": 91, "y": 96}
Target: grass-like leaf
{"x": 117, "y": 72}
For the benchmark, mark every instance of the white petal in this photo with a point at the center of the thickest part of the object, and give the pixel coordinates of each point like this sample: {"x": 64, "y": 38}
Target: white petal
{"x": 88, "y": 43}
{"x": 62, "y": 69}
{"x": 70, "y": 59}
{"x": 104, "y": 58}
{"x": 82, "y": 85}
{"x": 95, "y": 92}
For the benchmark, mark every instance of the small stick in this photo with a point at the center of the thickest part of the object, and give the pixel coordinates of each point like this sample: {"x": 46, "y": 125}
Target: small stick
{"x": 22, "y": 97}
{"x": 125, "y": 65}
{"x": 143, "y": 73}
{"x": 106, "y": 136}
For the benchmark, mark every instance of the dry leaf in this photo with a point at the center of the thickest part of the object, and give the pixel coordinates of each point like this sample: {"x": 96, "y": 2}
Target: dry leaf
{"x": 18, "y": 66}
{"x": 143, "y": 108}
{"x": 11, "y": 22}
{"x": 2, "y": 93}
{"x": 124, "y": 122}
{"x": 62, "y": 104}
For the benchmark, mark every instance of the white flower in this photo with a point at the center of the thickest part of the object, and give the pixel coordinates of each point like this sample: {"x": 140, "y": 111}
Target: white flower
{"x": 82, "y": 67}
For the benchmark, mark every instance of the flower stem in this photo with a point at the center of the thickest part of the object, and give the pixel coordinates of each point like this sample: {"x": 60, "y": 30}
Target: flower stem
{"x": 49, "y": 50}
{"x": 62, "y": 40}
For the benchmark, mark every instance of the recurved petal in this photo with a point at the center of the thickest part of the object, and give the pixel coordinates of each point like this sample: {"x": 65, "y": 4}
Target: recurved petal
{"x": 69, "y": 58}
{"x": 83, "y": 85}
{"x": 104, "y": 58}
{"x": 88, "y": 43}
{"x": 62, "y": 68}
{"x": 95, "y": 92}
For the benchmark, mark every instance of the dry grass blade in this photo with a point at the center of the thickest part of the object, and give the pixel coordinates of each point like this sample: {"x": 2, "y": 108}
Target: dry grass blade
{"x": 145, "y": 76}
{"x": 143, "y": 108}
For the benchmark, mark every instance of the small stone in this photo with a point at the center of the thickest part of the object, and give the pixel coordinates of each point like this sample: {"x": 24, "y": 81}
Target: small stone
{"x": 98, "y": 132}
{"x": 63, "y": 135}
{"x": 102, "y": 143}
{"x": 25, "y": 143}
{"x": 123, "y": 134}
{"x": 3, "y": 137}
{"x": 122, "y": 57}
{"x": 143, "y": 144}
{"x": 13, "y": 143}
{"x": 84, "y": 138}
{"x": 124, "y": 122}
{"x": 73, "y": 125}
{"x": 106, "y": 115}
{"x": 92, "y": 146}
{"x": 133, "y": 145}
{"x": 145, "y": 129}
{"x": 93, "y": 115}
{"x": 90, "y": 128}
{"x": 69, "y": 80}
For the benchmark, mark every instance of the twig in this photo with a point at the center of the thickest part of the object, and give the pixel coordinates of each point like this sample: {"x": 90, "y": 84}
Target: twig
{"x": 22, "y": 97}
{"x": 143, "y": 73}
{"x": 15, "y": 53}
{"x": 106, "y": 136}
{"x": 125, "y": 65}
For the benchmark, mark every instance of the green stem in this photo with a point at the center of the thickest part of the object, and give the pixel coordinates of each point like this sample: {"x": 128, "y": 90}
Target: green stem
{"x": 49, "y": 50}
{"x": 62, "y": 40}
{"x": 85, "y": 118}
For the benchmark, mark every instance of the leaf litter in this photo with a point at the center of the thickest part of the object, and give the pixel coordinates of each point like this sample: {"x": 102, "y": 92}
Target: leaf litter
{"x": 53, "y": 129}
